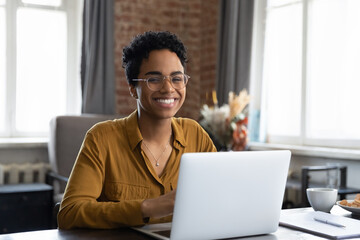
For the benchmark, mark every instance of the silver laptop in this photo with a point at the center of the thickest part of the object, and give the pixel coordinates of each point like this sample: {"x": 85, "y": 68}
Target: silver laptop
{"x": 226, "y": 195}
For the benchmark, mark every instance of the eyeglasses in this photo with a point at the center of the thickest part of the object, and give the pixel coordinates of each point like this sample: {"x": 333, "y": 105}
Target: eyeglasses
{"x": 156, "y": 82}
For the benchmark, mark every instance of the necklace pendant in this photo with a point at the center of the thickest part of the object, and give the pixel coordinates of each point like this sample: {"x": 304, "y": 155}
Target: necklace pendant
{"x": 157, "y": 164}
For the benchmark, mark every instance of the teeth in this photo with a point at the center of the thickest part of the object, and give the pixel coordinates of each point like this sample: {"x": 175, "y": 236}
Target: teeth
{"x": 166, "y": 101}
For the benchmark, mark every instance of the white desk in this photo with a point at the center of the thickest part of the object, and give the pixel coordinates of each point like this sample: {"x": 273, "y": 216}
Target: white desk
{"x": 127, "y": 233}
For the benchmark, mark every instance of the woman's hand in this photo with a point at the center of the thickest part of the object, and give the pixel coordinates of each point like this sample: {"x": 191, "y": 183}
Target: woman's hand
{"x": 159, "y": 207}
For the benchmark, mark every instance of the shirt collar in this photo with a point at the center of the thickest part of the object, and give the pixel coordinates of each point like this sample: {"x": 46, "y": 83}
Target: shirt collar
{"x": 133, "y": 131}
{"x": 134, "y": 134}
{"x": 178, "y": 132}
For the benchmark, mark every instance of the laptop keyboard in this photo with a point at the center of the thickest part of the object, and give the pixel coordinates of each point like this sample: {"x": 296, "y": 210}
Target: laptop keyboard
{"x": 165, "y": 233}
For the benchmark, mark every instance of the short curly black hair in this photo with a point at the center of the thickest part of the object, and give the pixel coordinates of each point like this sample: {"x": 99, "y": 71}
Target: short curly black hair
{"x": 143, "y": 44}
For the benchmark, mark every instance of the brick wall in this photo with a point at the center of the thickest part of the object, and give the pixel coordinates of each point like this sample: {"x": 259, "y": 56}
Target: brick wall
{"x": 194, "y": 21}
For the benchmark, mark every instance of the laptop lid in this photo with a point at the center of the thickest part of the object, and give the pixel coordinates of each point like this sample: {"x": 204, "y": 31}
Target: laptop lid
{"x": 229, "y": 194}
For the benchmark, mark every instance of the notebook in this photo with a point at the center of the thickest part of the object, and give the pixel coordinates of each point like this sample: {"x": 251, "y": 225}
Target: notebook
{"x": 322, "y": 224}
{"x": 225, "y": 195}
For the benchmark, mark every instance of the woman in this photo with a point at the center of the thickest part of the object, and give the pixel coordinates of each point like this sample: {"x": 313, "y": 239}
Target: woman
{"x": 126, "y": 171}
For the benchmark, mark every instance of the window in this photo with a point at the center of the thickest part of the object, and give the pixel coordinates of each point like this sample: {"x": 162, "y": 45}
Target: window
{"x": 310, "y": 75}
{"x": 2, "y": 66}
{"x": 39, "y": 50}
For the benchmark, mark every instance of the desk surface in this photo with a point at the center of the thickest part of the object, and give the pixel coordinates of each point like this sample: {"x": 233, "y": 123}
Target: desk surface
{"x": 127, "y": 233}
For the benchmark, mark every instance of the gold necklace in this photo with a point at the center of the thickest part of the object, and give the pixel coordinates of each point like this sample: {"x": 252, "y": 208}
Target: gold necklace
{"x": 157, "y": 159}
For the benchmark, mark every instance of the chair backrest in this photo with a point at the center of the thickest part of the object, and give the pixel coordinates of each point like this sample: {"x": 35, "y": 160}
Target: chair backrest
{"x": 66, "y": 136}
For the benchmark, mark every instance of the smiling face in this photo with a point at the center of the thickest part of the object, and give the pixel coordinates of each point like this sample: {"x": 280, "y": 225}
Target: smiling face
{"x": 167, "y": 101}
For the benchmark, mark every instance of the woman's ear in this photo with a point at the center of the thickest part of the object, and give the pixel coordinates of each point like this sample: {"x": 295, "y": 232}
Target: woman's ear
{"x": 132, "y": 90}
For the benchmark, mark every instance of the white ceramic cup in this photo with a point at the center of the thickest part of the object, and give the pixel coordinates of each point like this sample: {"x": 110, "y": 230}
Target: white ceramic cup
{"x": 322, "y": 199}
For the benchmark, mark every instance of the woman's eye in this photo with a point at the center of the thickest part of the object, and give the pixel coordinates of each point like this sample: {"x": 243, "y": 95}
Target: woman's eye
{"x": 177, "y": 79}
{"x": 154, "y": 80}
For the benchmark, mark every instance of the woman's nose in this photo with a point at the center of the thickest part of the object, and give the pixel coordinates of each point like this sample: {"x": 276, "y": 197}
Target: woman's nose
{"x": 167, "y": 85}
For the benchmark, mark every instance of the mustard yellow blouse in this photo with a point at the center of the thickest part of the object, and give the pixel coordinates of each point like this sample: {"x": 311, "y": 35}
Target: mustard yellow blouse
{"x": 112, "y": 175}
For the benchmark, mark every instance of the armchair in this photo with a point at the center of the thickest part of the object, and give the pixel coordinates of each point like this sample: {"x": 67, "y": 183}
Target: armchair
{"x": 66, "y": 136}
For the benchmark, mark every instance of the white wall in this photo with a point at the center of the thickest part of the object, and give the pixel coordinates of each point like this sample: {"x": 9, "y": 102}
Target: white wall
{"x": 353, "y": 167}
{"x": 21, "y": 154}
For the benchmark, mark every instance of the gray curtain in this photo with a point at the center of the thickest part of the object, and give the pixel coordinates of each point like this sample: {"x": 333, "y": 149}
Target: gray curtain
{"x": 236, "y": 20}
{"x": 97, "y": 60}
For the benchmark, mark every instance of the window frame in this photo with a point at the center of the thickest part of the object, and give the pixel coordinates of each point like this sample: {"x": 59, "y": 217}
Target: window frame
{"x": 73, "y": 105}
{"x": 257, "y": 87}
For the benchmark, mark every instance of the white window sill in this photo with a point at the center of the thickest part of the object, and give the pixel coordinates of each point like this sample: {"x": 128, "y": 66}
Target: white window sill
{"x": 23, "y": 142}
{"x": 311, "y": 151}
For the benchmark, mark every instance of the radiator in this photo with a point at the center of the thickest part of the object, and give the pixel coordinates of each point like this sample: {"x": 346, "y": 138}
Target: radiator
{"x": 15, "y": 173}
